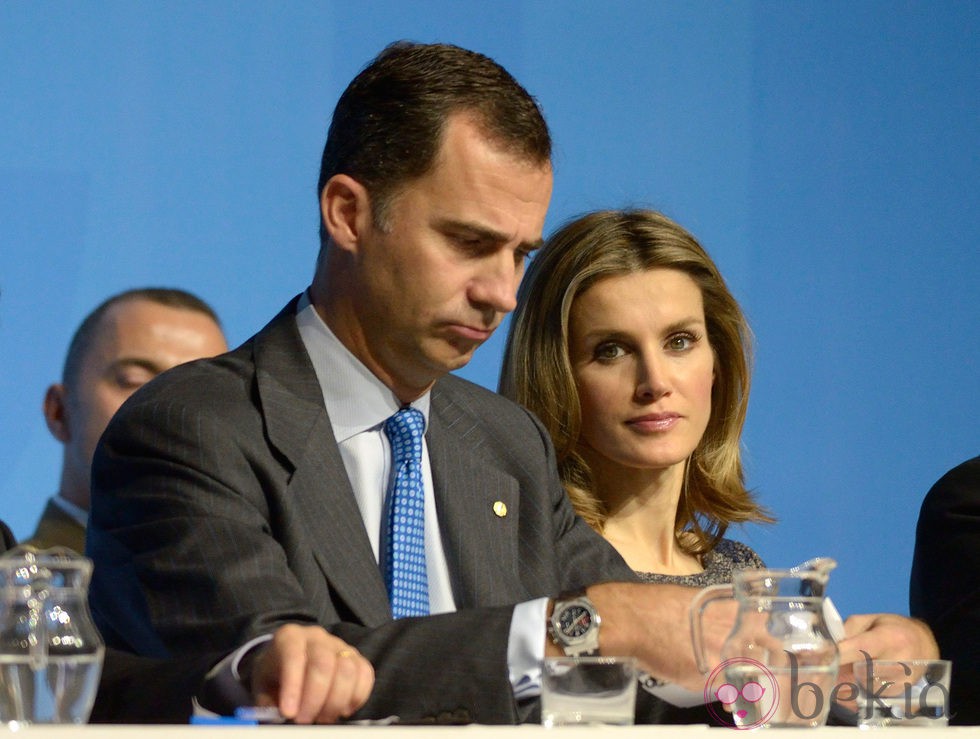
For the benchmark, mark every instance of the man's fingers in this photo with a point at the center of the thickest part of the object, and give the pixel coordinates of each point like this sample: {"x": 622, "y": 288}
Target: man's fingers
{"x": 886, "y": 636}
{"x": 284, "y": 680}
{"x": 858, "y": 624}
{"x": 336, "y": 703}
{"x": 311, "y": 675}
{"x": 317, "y": 682}
{"x": 337, "y": 680}
{"x": 363, "y": 685}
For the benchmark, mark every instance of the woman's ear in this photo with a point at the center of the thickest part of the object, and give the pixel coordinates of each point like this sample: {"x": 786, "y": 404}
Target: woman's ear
{"x": 346, "y": 211}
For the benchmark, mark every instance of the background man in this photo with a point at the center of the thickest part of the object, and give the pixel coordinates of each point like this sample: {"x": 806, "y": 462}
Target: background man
{"x": 275, "y": 469}
{"x": 126, "y": 341}
{"x": 309, "y": 675}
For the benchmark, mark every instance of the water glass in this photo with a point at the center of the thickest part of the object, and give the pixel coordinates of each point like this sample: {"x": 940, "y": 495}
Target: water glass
{"x": 903, "y": 692}
{"x": 588, "y": 690}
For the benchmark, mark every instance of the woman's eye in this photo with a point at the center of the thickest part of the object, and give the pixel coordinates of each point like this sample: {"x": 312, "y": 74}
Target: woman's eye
{"x": 609, "y": 351}
{"x": 681, "y": 342}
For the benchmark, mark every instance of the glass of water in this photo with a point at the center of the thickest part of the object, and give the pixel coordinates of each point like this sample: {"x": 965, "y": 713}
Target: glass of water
{"x": 50, "y": 651}
{"x": 588, "y": 690}
{"x": 911, "y": 692}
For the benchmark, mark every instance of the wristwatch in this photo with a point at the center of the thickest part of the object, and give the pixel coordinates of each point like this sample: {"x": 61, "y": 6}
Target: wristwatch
{"x": 574, "y": 625}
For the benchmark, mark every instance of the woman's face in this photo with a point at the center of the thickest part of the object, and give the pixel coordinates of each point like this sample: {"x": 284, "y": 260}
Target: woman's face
{"x": 643, "y": 366}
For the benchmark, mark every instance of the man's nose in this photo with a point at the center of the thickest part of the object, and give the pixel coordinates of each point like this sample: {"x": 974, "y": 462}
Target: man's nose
{"x": 496, "y": 284}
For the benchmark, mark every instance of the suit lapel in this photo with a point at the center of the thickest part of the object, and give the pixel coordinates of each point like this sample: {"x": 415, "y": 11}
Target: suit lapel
{"x": 477, "y": 505}
{"x": 299, "y": 428}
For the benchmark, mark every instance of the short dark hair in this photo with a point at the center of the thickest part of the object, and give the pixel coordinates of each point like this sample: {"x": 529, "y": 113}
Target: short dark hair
{"x": 388, "y": 124}
{"x": 85, "y": 333}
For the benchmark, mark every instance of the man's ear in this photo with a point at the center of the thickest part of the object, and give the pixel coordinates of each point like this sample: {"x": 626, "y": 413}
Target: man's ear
{"x": 345, "y": 208}
{"x": 55, "y": 409}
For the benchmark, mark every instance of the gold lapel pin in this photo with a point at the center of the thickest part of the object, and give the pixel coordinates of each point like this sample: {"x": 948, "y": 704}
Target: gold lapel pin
{"x": 500, "y": 508}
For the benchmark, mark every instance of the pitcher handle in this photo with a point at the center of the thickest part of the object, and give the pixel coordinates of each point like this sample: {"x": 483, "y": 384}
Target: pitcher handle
{"x": 698, "y": 604}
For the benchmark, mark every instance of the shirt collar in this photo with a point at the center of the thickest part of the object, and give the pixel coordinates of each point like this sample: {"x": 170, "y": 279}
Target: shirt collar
{"x": 79, "y": 514}
{"x": 356, "y": 400}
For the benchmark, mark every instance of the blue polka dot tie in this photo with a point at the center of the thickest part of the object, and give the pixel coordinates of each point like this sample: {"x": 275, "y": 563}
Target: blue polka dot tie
{"x": 405, "y": 573}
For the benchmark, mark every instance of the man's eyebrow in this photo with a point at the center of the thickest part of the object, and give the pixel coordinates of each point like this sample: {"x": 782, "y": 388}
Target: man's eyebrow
{"x": 472, "y": 229}
{"x": 485, "y": 234}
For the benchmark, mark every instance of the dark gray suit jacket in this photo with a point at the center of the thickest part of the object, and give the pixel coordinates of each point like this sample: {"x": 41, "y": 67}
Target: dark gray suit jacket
{"x": 221, "y": 508}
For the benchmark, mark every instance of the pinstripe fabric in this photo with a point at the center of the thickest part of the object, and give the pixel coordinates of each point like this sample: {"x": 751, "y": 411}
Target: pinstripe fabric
{"x": 221, "y": 508}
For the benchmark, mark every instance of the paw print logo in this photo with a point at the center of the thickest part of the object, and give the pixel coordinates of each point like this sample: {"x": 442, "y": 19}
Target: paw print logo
{"x": 742, "y": 691}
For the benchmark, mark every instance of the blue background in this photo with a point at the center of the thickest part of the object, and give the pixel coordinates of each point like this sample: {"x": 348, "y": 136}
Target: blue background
{"x": 825, "y": 153}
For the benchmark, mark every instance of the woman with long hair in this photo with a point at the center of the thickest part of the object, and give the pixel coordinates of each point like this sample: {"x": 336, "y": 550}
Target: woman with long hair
{"x": 629, "y": 347}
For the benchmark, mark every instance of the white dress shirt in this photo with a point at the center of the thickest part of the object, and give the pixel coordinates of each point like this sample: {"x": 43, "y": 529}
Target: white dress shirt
{"x": 358, "y": 404}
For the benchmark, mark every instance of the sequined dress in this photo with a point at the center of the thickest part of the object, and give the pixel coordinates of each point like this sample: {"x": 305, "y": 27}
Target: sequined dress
{"x": 719, "y": 566}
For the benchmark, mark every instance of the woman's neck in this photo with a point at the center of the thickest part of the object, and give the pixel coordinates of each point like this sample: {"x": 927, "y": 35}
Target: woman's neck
{"x": 642, "y": 508}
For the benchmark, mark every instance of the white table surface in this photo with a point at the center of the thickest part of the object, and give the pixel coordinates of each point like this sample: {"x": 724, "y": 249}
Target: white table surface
{"x": 454, "y": 732}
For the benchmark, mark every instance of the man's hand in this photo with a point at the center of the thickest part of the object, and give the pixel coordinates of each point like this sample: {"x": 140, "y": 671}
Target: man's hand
{"x": 310, "y": 675}
{"x": 884, "y": 636}
{"x": 653, "y": 624}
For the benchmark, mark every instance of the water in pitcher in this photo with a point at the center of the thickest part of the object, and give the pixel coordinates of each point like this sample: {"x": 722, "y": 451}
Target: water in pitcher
{"x": 780, "y": 697}
{"x": 60, "y": 692}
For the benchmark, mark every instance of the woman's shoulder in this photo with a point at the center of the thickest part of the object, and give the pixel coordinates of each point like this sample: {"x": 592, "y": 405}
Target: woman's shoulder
{"x": 740, "y": 556}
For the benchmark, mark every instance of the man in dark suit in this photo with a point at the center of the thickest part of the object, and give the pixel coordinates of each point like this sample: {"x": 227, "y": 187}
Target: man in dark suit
{"x": 945, "y": 585}
{"x": 235, "y": 494}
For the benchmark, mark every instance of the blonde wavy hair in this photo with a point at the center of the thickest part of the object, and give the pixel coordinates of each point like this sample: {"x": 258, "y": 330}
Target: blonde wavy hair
{"x": 537, "y": 372}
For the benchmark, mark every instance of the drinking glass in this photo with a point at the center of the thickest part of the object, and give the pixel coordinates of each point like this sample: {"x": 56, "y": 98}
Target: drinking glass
{"x": 588, "y": 690}
{"x": 903, "y": 692}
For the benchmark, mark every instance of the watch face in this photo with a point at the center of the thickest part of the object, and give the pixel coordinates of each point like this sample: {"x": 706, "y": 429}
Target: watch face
{"x": 575, "y": 620}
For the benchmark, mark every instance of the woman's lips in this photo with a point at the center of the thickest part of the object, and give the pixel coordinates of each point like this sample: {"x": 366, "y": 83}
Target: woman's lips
{"x": 655, "y": 421}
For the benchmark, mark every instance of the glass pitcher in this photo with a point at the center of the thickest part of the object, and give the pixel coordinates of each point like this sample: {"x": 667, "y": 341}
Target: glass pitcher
{"x": 779, "y": 664}
{"x": 50, "y": 651}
